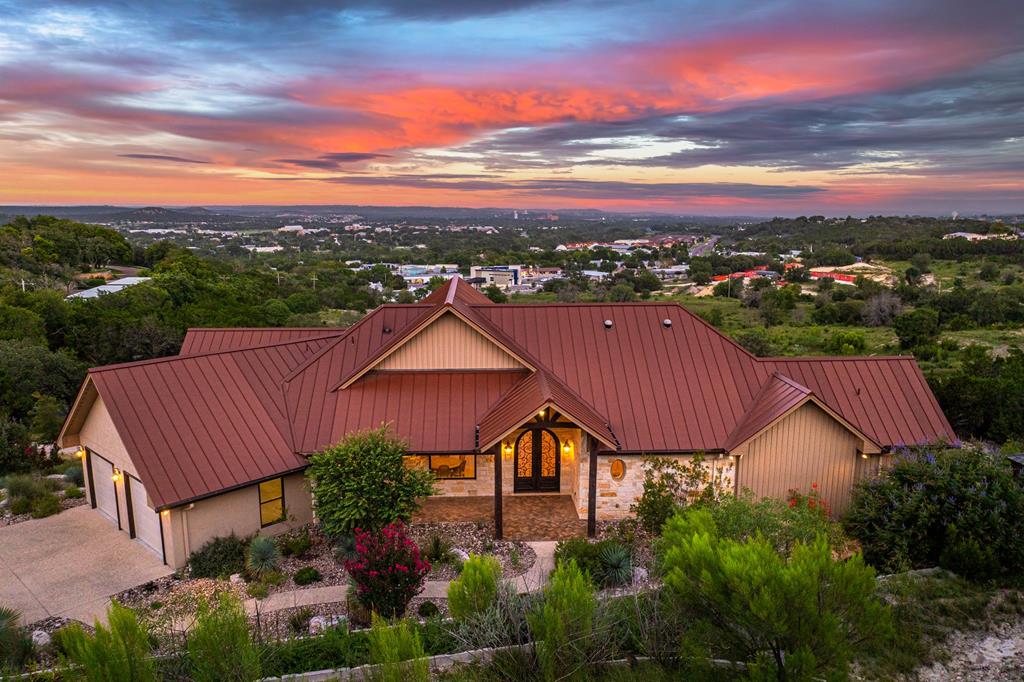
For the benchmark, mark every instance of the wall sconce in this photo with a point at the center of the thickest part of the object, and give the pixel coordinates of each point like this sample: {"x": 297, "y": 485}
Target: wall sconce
{"x": 117, "y": 476}
{"x": 165, "y": 513}
{"x": 732, "y": 458}
{"x": 81, "y": 453}
{"x": 863, "y": 455}
{"x": 568, "y": 449}
{"x": 506, "y": 450}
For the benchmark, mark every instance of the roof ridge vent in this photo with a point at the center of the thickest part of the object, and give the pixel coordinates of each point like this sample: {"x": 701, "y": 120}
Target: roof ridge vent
{"x": 608, "y": 324}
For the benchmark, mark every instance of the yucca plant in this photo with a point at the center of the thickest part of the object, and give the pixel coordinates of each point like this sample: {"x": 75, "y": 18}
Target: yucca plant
{"x": 15, "y": 644}
{"x": 263, "y": 556}
{"x": 616, "y": 565}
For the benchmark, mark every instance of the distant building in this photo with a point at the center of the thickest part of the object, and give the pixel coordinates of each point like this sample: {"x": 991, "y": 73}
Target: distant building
{"x": 977, "y": 237}
{"x": 502, "y": 276}
{"x": 111, "y": 287}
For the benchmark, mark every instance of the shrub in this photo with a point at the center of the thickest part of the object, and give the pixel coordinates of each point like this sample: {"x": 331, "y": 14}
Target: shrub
{"x": 120, "y": 651}
{"x": 220, "y": 646}
{"x": 782, "y": 524}
{"x": 24, "y": 486}
{"x": 219, "y": 558}
{"x": 258, "y": 590}
{"x": 428, "y": 609}
{"x": 74, "y": 474}
{"x": 299, "y": 620}
{"x": 387, "y": 570}
{"x": 961, "y": 509}
{"x": 475, "y": 588}
{"x": 262, "y": 557}
{"x": 15, "y": 643}
{"x": 295, "y": 545}
{"x": 398, "y": 651}
{"x": 47, "y": 505}
{"x": 307, "y": 575}
{"x": 562, "y": 623}
{"x": 795, "y": 617}
{"x": 437, "y": 550}
{"x": 608, "y": 563}
{"x": 362, "y": 482}
{"x": 20, "y": 505}
{"x": 335, "y": 648}
{"x": 669, "y": 485}
{"x": 74, "y": 493}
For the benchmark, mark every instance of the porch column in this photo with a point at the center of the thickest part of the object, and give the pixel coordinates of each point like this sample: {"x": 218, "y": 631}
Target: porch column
{"x": 497, "y": 491}
{"x": 592, "y": 493}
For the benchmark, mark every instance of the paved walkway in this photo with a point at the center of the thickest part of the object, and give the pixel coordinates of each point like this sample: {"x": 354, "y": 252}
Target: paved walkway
{"x": 531, "y": 581}
{"x": 526, "y": 516}
{"x": 69, "y": 565}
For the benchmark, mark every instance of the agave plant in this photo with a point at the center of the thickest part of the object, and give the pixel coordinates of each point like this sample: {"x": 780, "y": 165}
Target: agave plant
{"x": 616, "y": 565}
{"x": 263, "y": 556}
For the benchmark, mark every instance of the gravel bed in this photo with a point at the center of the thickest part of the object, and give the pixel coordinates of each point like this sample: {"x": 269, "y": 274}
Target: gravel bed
{"x": 320, "y": 556}
{"x": 9, "y": 519}
{"x": 473, "y": 538}
{"x": 277, "y": 625}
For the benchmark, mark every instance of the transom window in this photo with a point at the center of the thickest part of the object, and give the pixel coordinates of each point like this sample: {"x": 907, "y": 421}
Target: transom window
{"x": 271, "y": 502}
{"x": 453, "y": 466}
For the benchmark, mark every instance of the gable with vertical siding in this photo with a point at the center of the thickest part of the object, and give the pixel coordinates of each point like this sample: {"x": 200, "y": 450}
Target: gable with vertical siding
{"x": 449, "y": 343}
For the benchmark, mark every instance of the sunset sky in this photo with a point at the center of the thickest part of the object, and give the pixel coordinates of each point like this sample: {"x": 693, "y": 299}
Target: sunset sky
{"x": 725, "y": 107}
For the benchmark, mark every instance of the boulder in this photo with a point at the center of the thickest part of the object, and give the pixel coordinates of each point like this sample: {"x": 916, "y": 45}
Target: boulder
{"x": 40, "y": 638}
{"x": 236, "y": 579}
{"x": 462, "y": 555}
{"x": 318, "y": 624}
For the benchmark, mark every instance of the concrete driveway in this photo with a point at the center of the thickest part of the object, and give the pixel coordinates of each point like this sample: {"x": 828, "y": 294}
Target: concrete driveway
{"x": 69, "y": 565}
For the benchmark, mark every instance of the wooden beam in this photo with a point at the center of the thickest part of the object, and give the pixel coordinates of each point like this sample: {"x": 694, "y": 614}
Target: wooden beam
{"x": 592, "y": 495}
{"x": 497, "y": 492}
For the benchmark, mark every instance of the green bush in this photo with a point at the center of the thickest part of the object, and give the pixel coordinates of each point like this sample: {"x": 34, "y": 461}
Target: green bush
{"x": 782, "y": 524}
{"x": 307, "y": 575}
{"x": 335, "y": 648}
{"x": 437, "y": 550}
{"x": 428, "y": 609}
{"x": 398, "y": 651}
{"x": 295, "y": 545}
{"x": 262, "y": 556}
{"x": 47, "y": 505}
{"x": 362, "y": 482}
{"x": 15, "y": 642}
{"x": 669, "y": 485}
{"x": 220, "y": 647}
{"x": 475, "y": 588}
{"x": 20, "y": 505}
{"x": 219, "y": 558}
{"x": 25, "y": 486}
{"x": 119, "y": 651}
{"x": 74, "y": 474}
{"x": 562, "y": 623}
{"x": 796, "y": 617}
{"x": 957, "y": 508}
{"x": 74, "y": 493}
{"x": 608, "y": 563}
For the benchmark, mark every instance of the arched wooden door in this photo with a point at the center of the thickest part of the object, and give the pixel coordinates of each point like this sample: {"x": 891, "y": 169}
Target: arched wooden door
{"x": 538, "y": 465}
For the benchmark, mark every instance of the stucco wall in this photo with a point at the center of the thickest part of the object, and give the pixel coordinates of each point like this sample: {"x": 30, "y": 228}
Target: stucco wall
{"x": 807, "y": 446}
{"x": 99, "y": 435}
{"x": 237, "y": 511}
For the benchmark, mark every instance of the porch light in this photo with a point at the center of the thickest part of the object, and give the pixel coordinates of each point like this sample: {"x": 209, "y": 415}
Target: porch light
{"x": 165, "y": 512}
{"x": 863, "y": 455}
{"x": 541, "y": 414}
{"x": 81, "y": 453}
{"x": 567, "y": 449}
{"x": 117, "y": 475}
{"x": 732, "y": 458}
{"x": 506, "y": 449}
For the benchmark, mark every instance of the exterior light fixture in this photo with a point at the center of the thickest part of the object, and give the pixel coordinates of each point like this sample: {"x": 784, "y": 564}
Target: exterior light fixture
{"x": 732, "y": 458}
{"x": 117, "y": 475}
{"x": 165, "y": 512}
{"x": 506, "y": 449}
{"x": 863, "y": 455}
{"x": 567, "y": 449}
{"x": 81, "y": 453}
{"x": 541, "y": 414}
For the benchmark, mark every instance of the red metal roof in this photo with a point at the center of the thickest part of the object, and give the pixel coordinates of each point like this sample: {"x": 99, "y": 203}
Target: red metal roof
{"x": 206, "y": 339}
{"x": 777, "y": 396}
{"x": 534, "y": 392}
{"x": 658, "y": 379}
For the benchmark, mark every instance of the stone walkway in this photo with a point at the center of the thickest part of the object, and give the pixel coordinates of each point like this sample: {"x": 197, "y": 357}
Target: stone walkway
{"x": 526, "y": 517}
{"x": 531, "y": 581}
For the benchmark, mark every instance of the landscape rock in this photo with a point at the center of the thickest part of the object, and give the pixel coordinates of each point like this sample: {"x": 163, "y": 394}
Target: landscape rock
{"x": 461, "y": 554}
{"x": 318, "y": 624}
{"x": 57, "y": 477}
{"x": 236, "y": 579}
{"x": 40, "y": 638}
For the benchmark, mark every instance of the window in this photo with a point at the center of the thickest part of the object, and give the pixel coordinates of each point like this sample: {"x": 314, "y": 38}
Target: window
{"x": 271, "y": 502}
{"x": 453, "y": 466}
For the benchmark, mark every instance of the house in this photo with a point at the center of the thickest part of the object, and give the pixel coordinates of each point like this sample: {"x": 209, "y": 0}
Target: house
{"x": 111, "y": 287}
{"x": 497, "y": 400}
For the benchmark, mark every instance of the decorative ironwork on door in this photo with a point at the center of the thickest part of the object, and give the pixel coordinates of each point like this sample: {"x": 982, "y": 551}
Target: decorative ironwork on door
{"x": 537, "y": 463}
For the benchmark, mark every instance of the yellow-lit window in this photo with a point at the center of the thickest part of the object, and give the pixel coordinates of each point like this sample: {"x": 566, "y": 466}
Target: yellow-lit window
{"x": 271, "y": 501}
{"x": 453, "y": 466}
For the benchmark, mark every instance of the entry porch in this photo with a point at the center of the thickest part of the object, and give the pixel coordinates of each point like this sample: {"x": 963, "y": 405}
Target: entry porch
{"x": 526, "y": 517}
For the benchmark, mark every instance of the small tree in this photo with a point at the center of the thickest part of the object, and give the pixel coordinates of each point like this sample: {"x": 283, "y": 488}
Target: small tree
{"x": 669, "y": 485}
{"x": 362, "y": 482}
{"x": 475, "y": 588}
{"x": 795, "y": 617}
{"x": 220, "y": 646}
{"x": 397, "y": 651}
{"x": 387, "y": 570}
{"x": 562, "y": 624}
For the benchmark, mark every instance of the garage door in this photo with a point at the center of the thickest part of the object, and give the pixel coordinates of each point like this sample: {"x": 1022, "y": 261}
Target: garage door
{"x": 102, "y": 472}
{"x": 146, "y": 520}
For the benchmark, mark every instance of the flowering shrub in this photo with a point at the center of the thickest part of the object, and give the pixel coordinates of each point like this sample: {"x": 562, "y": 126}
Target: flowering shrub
{"x": 960, "y": 509}
{"x": 812, "y": 500}
{"x": 387, "y": 569}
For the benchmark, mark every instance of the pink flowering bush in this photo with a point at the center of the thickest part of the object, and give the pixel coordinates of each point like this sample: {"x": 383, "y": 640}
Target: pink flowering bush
{"x": 387, "y": 570}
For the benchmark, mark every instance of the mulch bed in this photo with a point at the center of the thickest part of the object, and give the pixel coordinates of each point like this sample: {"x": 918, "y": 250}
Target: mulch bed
{"x": 473, "y": 538}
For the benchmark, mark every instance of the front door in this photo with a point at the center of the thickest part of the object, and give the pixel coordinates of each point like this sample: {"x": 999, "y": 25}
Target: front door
{"x": 537, "y": 462}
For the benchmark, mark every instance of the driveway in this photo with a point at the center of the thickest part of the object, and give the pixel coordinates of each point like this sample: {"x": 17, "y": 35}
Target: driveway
{"x": 69, "y": 565}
